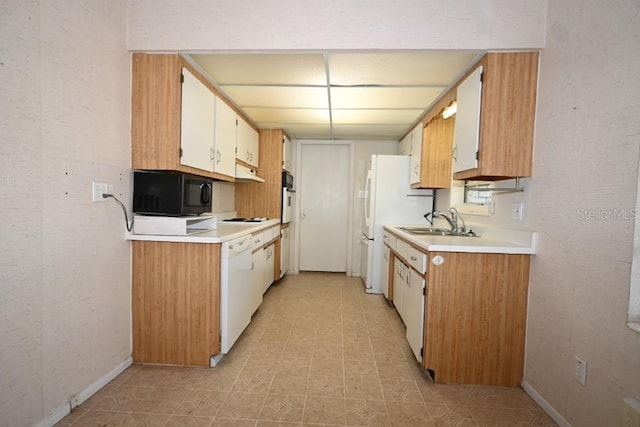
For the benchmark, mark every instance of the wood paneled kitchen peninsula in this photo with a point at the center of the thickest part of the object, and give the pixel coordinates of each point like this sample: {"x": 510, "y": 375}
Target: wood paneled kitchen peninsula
{"x": 473, "y": 310}
{"x": 176, "y": 293}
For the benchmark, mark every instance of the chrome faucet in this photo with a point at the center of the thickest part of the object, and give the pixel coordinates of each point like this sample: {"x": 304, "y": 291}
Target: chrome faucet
{"x": 439, "y": 214}
{"x": 455, "y": 216}
{"x": 452, "y": 219}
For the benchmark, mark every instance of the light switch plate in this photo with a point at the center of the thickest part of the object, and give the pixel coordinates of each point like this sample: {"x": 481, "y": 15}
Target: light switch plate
{"x": 516, "y": 210}
{"x": 99, "y": 188}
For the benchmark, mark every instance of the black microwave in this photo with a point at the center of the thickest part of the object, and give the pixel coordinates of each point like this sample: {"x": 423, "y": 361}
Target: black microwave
{"x": 170, "y": 193}
{"x": 287, "y": 180}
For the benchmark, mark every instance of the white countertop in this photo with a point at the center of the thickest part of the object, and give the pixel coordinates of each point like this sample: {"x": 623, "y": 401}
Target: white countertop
{"x": 224, "y": 231}
{"x": 497, "y": 241}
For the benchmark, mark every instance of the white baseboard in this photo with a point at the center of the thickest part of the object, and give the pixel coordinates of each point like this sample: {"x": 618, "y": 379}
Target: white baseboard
{"x": 63, "y": 410}
{"x": 546, "y": 406}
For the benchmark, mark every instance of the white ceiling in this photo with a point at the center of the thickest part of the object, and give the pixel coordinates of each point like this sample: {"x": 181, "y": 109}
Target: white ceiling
{"x": 367, "y": 96}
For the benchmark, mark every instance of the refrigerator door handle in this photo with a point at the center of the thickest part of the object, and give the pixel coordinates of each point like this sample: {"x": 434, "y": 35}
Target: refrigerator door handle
{"x": 367, "y": 199}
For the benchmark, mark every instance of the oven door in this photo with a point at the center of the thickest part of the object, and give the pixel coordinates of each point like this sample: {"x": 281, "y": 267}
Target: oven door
{"x": 287, "y": 205}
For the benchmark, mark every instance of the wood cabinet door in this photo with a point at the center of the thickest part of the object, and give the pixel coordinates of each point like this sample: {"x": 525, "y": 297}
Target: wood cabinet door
{"x": 475, "y": 317}
{"x": 225, "y": 139}
{"x": 175, "y": 302}
{"x": 436, "y": 153}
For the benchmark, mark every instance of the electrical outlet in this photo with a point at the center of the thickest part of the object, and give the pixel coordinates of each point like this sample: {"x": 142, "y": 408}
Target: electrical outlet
{"x": 516, "y": 210}
{"x": 630, "y": 413}
{"x": 581, "y": 371}
{"x": 99, "y": 188}
{"x": 73, "y": 402}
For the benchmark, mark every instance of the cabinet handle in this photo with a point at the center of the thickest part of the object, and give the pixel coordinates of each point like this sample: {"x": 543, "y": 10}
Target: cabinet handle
{"x": 218, "y": 159}
{"x": 413, "y": 258}
{"x": 211, "y": 156}
{"x": 455, "y": 153}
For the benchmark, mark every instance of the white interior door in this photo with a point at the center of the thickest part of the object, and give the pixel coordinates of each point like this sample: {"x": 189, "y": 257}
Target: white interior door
{"x": 323, "y": 187}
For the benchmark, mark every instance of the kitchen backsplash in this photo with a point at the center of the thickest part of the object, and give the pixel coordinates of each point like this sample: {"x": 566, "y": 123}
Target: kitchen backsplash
{"x": 503, "y": 204}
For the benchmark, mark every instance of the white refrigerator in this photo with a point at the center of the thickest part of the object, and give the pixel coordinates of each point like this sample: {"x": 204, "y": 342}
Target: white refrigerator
{"x": 388, "y": 199}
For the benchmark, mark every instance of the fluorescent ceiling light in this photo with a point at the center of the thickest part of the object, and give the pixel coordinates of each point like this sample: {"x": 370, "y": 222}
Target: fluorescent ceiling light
{"x": 450, "y": 110}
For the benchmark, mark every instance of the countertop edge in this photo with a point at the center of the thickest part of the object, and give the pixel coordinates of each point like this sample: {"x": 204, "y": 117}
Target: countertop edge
{"x": 452, "y": 244}
{"x": 242, "y": 229}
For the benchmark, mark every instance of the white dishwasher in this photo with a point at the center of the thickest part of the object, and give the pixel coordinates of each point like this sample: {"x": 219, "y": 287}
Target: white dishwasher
{"x": 235, "y": 289}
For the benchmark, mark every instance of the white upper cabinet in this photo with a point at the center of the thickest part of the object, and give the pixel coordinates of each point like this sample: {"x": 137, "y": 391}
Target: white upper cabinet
{"x": 416, "y": 153}
{"x": 467, "y": 124}
{"x": 404, "y": 146}
{"x": 224, "y": 159}
{"x": 286, "y": 154}
{"x": 248, "y": 143}
{"x": 197, "y": 123}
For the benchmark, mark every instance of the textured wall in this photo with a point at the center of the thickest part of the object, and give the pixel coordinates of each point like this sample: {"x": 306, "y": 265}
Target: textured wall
{"x": 586, "y": 159}
{"x": 335, "y": 24}
{"x": 21, "y": 212}
{"x": 64, "y": 263}
{"x": 579, "y": 199}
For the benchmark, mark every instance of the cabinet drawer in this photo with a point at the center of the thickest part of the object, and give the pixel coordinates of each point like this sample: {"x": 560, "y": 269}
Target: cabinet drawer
{"x": 414, "y": 257}
{"x": 393, "y": 242}
{"x": 271, "y": 233}
{"x": 259, "y": 239}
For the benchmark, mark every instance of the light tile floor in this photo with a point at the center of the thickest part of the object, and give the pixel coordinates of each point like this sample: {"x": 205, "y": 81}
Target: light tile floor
{"x": 319, "y": 351}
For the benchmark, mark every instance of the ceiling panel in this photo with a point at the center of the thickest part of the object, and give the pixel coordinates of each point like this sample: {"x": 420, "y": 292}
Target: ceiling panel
{"x": 288, "y": 115}
{"x": 373, "y": 132}
{"x": 383, "y": 97}
{"x": 265, "y": 68}
{"x": 278, "y": 96}
{"x": 373, "y": 117}
{"x": 393, "y": 69}
{"x": 305, "y": 131}
{"x": 373, "y": 95}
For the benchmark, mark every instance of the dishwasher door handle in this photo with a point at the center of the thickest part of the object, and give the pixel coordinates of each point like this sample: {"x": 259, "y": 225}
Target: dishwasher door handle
{"x": 242, "y": 246}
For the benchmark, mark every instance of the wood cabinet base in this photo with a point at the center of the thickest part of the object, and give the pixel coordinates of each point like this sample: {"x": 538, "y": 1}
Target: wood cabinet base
{"x": 476, "y": 317}
{"x": 176, "y": 302}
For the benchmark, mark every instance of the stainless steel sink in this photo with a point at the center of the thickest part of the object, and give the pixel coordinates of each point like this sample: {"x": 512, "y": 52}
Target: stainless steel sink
{"x": 427, "y": 231}
{"x": 431, "y": 231}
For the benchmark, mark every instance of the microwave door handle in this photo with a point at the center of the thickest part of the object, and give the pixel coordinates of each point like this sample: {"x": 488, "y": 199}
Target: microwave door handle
{"x": 205, "y": 193}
